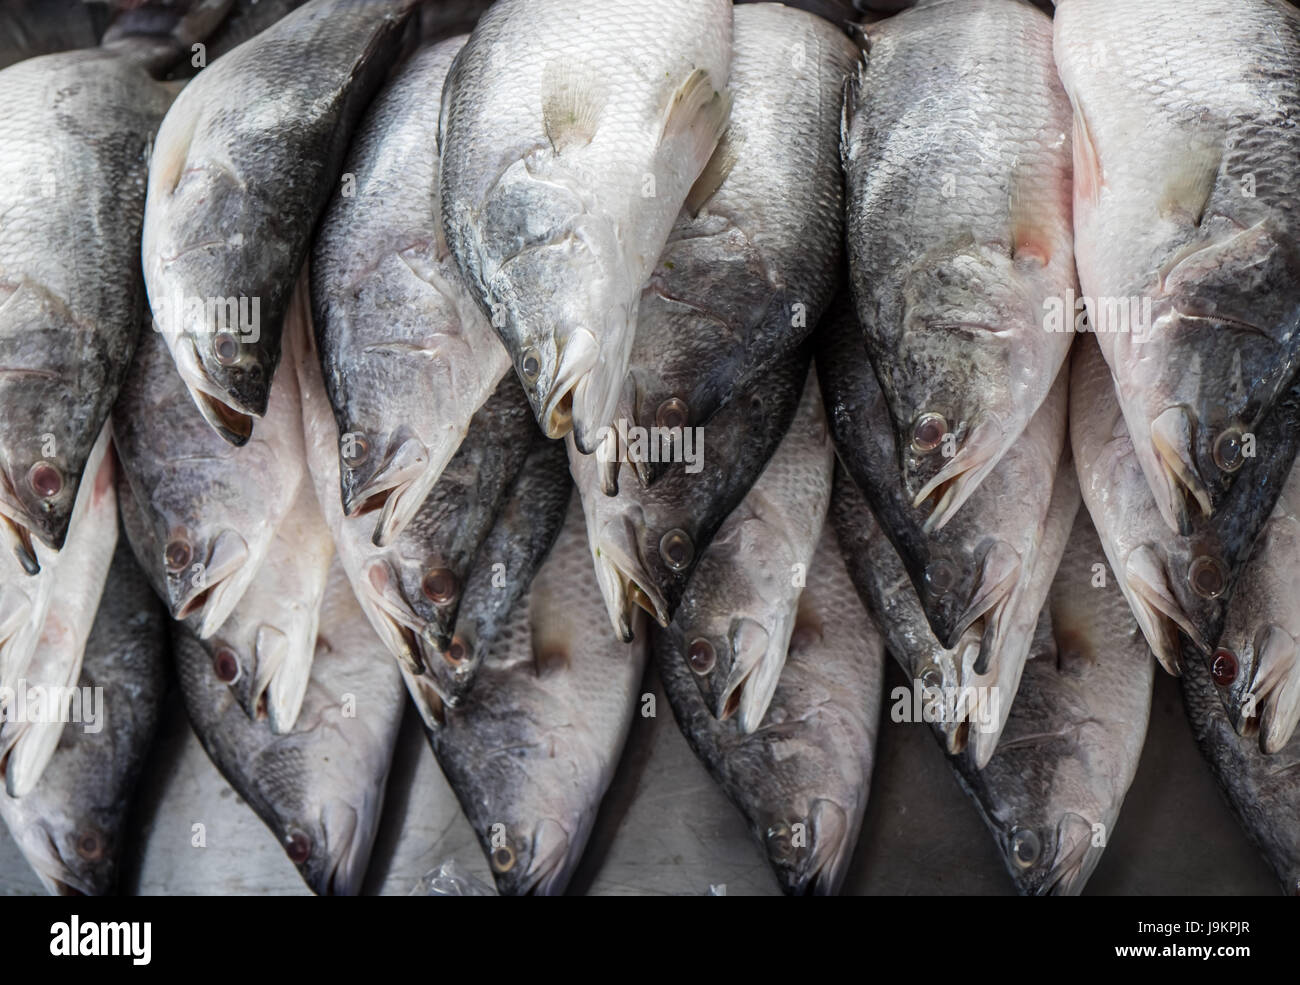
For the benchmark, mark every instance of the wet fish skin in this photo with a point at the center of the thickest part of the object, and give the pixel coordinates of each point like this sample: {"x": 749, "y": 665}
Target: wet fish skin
{"x": 748, "y": 270}
{"x": 626, "y": 532}
{"x": 217, "y": 504}
{"x": 952, "y": 262}
{"x": 28, "y": 742}
{"x": 319, "y": 788}
{"x": 1184, "y": 200}
{"x": 242, "y": 168}
{"x": 71, "y": 827}
{"x": 521, "y": 539}
{"x": 73, "y": 160}
{"x": 1262, "y": 790}
{"x": 550, "y": 140}
{"x": 533, "y": 750}
{"x": 742, "y": 601}
{"x": 810, "y": 760}
{"x": 407, "y": 355}
{"x": 1072, "y": 743}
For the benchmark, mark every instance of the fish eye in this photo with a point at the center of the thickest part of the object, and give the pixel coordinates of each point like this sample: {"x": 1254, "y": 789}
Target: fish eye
{"x": 356, "y": 449}
{"x": 1229, "y": 453}
{"x": 457, "y": 653}
{"x": 672, "y": 413}
{"x": 700, "y": 656}
{"x": 298, "y": 847}
{"x": 1223, "y": 668}
{"x": 928, "y": 432}
{"x": 530, "y": 366}
{"x": 931, "y": 677}
{"x": 46, "y": 480}
{"x": 226, "y": 348}
{"x": 940, "y": 576}
{"x": 439, "y": 586}
{"x": 676, "y": 549}
{"x": 1207, "y": 577}
{"x": 503, "y": 859}
{"x": 779, "y": 843}
{"x": 225, "y": 663}
{"x": 1025, "y": 847}
{"x": 90, "y": 846}
{"x": 177, "y": 555}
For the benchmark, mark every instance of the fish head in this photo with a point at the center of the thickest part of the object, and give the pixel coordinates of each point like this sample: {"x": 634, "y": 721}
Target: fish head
{"x": 384, "y": 594}
{"x": 810, "y": 852}
{"x": 228, "y": 379}
{"x": 956, "y": 383}
{"x": 1054, "y": 856}
{"x": 963, "y": 582}
{"x": 74, "y": 854}
{"x": 643, "y": 561}
{"x": 1200, "y": 574}
{"x": 531, "y": 858}
{"x": 376, "y": 467}
{"x": 1256, "y": 670}
{"x": 39, "y": 479}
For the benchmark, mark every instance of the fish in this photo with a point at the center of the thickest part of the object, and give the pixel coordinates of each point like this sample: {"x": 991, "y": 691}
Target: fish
{"x": 754, "y": 258}
{"x": 245, "y": 20}
{"x": 742, "y": 603}
{"x": 566, "y": 158}
{"x": 243, "y": 165}
{"x": 74, "y": 153}
{"x": 520, "y": 540}
{"x": 1255, "y": 665}
{"x": 1052, "y": 793}
{"x": 265, "y": 647}
{"x": 839, "y": 12}
{"x": 801, "y": 779}
{"x": 533, "y": 749}
{"x": 321, "y": 787}
{"x": 211, "y": 509}
{"x": 27, "y": 742}
{"x": 407, "y": 355}
{"x": 72, "y": 827}
{"x": 1187, "y": 237}
{"x": 956, "y": 153}
{"x": 972, "y": 571}
{"x": 646, "y": 542}
{"x": 1262, "y": 790}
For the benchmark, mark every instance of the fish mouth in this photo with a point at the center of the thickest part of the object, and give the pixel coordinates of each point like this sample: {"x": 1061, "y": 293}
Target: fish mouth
{"x": 396, "y": 488}
{"x": 346, "y": 850}
{"x": 283, "y": 663}
{"x": 625, "y": 581}
{"x": 596, "y": 393}
{"x": 1157, "y": 611}
{"x": 396, "y": 625}
{"x": 18, "y": 523}
{"x": 233, "y": 422}
{"x": 724, "y": 688}
{"x": 18, "y": 538}
{"x": 577, "y": 360}
{"x": 823, "y": 872}
{"x": 218, "y": 591}
{"x": 59, "y": 878}
{"x": 997, "y": 576}
{"x": 1274, "y": 690}
{"x": 1173, "y": 436}
{"x": 953, "y": 484}
{"x": 549, "y": 866}
{"x": 1076, "y": 858}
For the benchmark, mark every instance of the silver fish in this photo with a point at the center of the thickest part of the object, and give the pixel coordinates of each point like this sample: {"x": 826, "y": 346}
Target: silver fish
{"x": 801, "y": 779}
{"x": 1052, "y": 792}
{"x": 532, "y": 751}
{"x": 755, "y": 257}
{"x": 242, "y": 168}
{"x": 319, "y": 788}
{"x": 72, "y": 826}
{"x": 210, "y": 509}
{"x": 1188, "y": 240}
{"x": 956, "y": 148}
{"x": 408, "y": 357}
{"x": 566, "y": 156}
{"x": 741, "y": 605}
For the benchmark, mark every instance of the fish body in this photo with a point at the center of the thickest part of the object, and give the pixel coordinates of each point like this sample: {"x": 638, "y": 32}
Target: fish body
{"x": 801, "y": 779}
{"x": 956, "y": 149}
{"x": 571, "y": 133}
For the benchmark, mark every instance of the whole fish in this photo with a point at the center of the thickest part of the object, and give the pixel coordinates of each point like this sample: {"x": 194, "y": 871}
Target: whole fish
{"x": 211, "y": 509}
{"x": 646, "y": 542}
{"x": 408, "y": 357}
{"x": 1052, "y": 792}
{"x": 1188, "y": 239}
{"x": 74, "y": 152}
{"x": 532, "y": 751}
{"x": 265, "y": 648}
{"x": 71, "y": 827}
{"x": 976, "y": 567}
{"x": 242, "y": 168}
{"x": 956, "y": 148}
{"x": 754, "y": 258}
{"x": 571, "y": 132}
{"x": 319, "y": 788}
{"x": 741, "y": 605}
{"x": 1256, "y": 665}
{"x": 27, "y": 741}
{"x": 1262, "y": 790}
{"x": 801, "y": 779}
{"x": 521, "y": 537}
